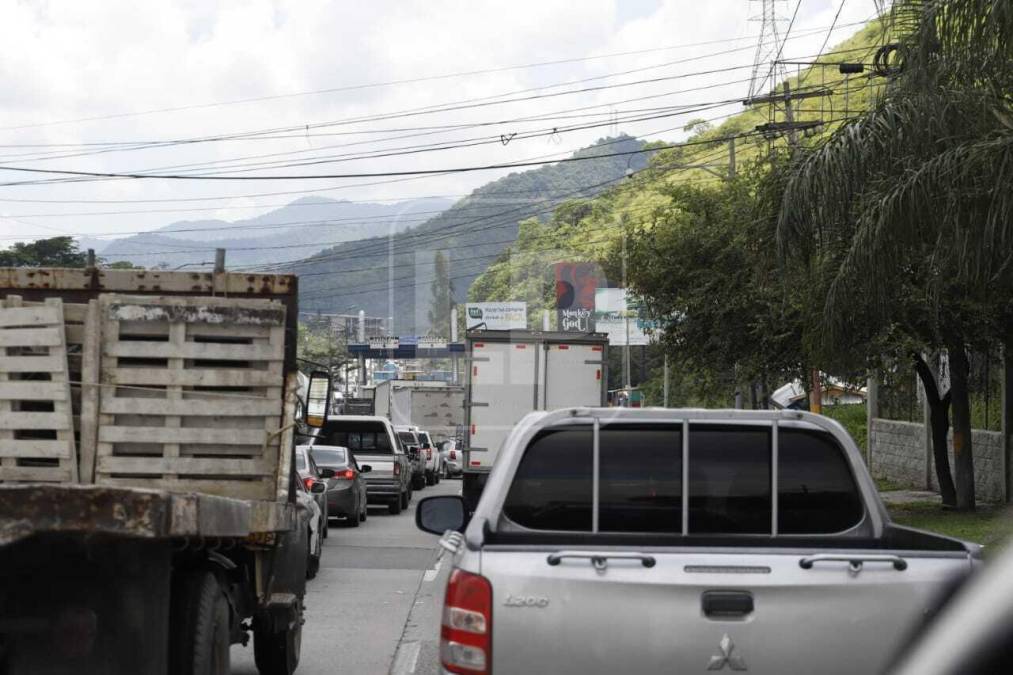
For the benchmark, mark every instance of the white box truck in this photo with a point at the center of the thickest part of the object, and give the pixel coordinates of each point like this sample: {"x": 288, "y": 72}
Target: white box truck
{"x": 436, "y": 407}
{"x": 512, "y": 373}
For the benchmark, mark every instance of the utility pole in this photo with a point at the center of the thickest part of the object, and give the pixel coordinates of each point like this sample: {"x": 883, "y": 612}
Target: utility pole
{"x": 453, "y": 338}
{"x": 626, "y": 315}
{"x": 731, "y": 158}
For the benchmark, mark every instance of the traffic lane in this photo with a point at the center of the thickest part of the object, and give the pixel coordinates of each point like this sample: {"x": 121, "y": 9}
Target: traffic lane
{"x": 364, "y": 602}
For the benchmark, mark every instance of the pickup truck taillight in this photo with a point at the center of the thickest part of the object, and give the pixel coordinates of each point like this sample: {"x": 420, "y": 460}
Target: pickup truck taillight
{"x": 429, "y": 453}
{"x": 466, "y": 633}
{"x": 453, "y": 454}
{"x": 397, "y": 469}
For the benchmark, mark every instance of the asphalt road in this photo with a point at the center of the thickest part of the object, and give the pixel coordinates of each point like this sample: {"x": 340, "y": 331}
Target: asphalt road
{"x": 375, "y": 606}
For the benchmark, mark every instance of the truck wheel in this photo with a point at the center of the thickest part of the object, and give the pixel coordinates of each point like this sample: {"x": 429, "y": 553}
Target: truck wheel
{"x": 406, "y": 499}
{"x": 430, "y": 478}
{"x": 352, "y": 520}
{"x": 277, "y": 653}
{"x": 395, "y": 506}
{"x": 313, "y": 560}
{"x": 436, "y": 477}
{"x": 418, "y": 481}
{"x": 200, "y": 634}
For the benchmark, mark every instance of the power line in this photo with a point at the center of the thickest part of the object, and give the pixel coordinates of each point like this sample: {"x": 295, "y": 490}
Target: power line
{"x": 366, "y": 86}
{"x": 376, "y": 174}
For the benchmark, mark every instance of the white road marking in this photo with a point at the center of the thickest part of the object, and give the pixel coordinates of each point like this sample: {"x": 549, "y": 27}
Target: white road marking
{"x": 406, "y": 659}
{"x": 430, "y": 575}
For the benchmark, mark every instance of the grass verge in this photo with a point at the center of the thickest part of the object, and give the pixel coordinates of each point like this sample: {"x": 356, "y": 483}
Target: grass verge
{"x": 989, "y": 525}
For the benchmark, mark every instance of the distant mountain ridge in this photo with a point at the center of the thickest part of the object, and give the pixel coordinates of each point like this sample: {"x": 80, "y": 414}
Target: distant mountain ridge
{"x": 296, "y": 230}
{"x": 471, "y": 234}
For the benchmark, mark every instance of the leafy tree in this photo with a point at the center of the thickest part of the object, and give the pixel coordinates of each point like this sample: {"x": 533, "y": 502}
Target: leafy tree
{"x": 442, "y": 291}
{"x": 704, "y": 262}
{"x": 320, "y": 345}
{"x": 908, "y": 210}
{"x": 53, "y": 252}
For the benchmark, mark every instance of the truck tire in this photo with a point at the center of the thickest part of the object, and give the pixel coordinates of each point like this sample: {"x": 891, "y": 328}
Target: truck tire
{"x": 199, "y": 637}
{"x": 277, "y": 653}
{"x": 395, "y": 506}
{"x": 418, "y": 481}
{"x": 406, "y": 499}
{"x": 430, "y": 478}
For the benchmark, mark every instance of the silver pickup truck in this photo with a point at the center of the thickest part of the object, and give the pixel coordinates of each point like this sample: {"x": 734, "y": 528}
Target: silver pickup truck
{"x": 682, "y": 541}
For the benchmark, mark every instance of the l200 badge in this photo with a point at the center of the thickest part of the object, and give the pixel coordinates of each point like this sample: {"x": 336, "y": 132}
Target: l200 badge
{"x": 526, "y": 601}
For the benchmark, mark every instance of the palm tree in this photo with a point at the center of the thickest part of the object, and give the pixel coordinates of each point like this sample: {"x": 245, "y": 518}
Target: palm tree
{"x": 908, "y": 209}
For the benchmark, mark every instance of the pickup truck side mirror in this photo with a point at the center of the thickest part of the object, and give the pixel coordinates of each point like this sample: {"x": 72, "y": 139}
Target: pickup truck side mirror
{"x": 436, "y": 515}
{"x": 326, "y": 473}
{"x": 365, "y": 468}
{"x": 318, "y": 488}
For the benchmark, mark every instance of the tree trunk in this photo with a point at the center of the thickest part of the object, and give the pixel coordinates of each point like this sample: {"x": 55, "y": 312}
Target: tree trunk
{"x": 963, "y": 458}
{"x": 939, "y": 422}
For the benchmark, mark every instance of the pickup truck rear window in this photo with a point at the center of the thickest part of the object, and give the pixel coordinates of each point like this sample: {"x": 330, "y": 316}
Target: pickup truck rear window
{"x": 640, "y": 471}
{"x": 369, "y": 438}
{"x": 640, "y": 481}
{"x": 729, "y": 480}
{"x": 552, "y": 487}
{"x": 816, "y": 493}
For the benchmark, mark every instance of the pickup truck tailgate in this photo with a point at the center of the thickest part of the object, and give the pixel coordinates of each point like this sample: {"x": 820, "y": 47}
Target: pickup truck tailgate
{"x": 382, "y": 466}
{"x": 694, "y": 612}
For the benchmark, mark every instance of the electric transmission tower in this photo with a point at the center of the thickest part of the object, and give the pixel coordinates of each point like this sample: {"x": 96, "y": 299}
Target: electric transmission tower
{"x": 766, "y": 70}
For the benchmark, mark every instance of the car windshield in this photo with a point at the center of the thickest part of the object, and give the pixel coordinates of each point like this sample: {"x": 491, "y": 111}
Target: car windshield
{"x": 358, "y": 436}
{"x": 330, "y": 456}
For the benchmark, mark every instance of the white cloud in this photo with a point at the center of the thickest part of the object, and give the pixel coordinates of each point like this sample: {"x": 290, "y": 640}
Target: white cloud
{"x": 66, "y": 60}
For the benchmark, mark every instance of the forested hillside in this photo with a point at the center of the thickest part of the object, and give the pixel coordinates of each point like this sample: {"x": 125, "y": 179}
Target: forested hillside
{"x": 471, "y": 235}
{"x": 699, "y": 239}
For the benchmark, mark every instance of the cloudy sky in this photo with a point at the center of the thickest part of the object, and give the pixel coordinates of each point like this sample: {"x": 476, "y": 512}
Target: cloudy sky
{"x": 113, "y": 86}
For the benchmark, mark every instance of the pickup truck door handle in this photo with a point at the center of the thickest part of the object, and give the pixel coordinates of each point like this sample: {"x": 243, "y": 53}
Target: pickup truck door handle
{"x": 600, "y": 559}
{"x": 727, "y": 604}
{"x": 855, "y": 561}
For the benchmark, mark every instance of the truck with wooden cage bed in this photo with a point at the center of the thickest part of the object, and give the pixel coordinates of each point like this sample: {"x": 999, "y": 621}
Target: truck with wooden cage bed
{"x": 148, "y": 511}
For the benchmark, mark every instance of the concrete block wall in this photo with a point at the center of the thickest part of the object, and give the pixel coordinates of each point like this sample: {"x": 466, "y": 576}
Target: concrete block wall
{"x": 899, "y": 455}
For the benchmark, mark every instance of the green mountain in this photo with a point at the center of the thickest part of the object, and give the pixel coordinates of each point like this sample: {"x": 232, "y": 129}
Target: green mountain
{"x": 471, "y": 235}
{"x": 591, "y": 229}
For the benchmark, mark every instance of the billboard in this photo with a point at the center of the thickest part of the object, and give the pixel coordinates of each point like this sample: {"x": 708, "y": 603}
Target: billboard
{"x": 575, "y": 295}
{"x": 613, "y": 316}
{"x": 496, "y": 315}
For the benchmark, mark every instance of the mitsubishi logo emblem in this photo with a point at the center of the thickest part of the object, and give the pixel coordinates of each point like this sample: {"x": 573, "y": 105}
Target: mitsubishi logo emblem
{"x": 726, "y": 657}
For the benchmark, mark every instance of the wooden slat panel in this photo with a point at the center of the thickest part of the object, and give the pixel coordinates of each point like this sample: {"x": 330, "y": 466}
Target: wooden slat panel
{"x": 152, "y": 426}
{"x": 31, "y": 337}
{"x": 35, "y": 448}
{"x": 194, "y": 350}
{"x": 32, "y": 390}
{"x": 41, "y": 474}
{"x": 247, "y": 407}
{"x": 205, "y": 377}
{"x": 27, "y": 316}
{"x": 48, "y": 363}
{"x": 185, "y": 465}
{"x": 31, "y": 421}
{"x": 110, "y": 434}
